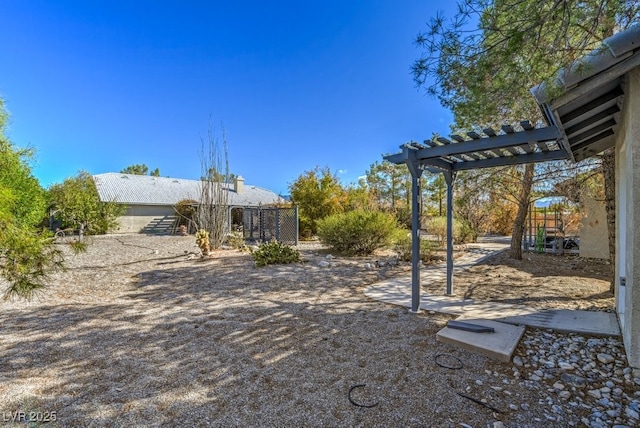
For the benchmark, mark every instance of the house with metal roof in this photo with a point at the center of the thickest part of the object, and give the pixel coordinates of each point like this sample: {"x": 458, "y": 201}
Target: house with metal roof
{"x": 150, "y": 200}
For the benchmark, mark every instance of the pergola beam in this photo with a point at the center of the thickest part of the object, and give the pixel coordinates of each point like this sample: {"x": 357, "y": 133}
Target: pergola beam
{"x": 513, "y": 160}
{"x": 549, "y": 133}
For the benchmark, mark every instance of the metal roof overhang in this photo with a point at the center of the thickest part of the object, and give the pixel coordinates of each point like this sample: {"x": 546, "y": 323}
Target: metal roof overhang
{"x": 509, "y": 147}
{"x": 592, "y": 95}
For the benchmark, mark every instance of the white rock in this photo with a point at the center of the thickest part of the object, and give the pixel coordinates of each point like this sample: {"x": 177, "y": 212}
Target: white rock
{"x": 565, "y": 366}
{"x": 605, "y": 358}
{"x": 324, "y": 264}
{"x": 632, "y": 413}
{"x": 559, "y": 386}
{"x": 594, "y": 393}
{"x": 329, "y": 257}
{"x": 564, "y": 395}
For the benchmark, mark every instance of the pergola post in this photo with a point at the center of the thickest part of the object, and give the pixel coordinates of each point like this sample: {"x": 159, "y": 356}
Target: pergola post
{"x": 416, "y": 172}
{"x": 449, "y": 177}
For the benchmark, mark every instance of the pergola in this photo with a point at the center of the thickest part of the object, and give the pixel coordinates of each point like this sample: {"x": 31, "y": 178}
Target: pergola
{"x": 582, "y": 122}
{"x": 448, "y": 156}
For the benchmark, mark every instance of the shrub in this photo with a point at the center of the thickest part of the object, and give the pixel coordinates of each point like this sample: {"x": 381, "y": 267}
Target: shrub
{"x": 186, "y": 210}
{"x": 273, "y": 252}
{"x": 438, "y": 226}
{"x": 202, "y": 241}
{"x": 358, "y": 232}
{"x": 403, "y": 246}
{"x": 235, "y": 240}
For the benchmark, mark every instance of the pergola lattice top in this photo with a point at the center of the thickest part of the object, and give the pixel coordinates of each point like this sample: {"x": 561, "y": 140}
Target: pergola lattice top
{"x": 496, "y": 148}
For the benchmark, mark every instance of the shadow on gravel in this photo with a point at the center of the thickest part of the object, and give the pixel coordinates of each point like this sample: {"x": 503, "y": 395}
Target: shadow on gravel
{"x": 227, "y": 344}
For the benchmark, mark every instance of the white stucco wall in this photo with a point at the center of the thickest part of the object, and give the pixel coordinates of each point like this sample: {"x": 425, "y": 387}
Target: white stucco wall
{"x": 594, "y": 239}
{"x": 628, "y": 219}
{"x": 138, "y": 216}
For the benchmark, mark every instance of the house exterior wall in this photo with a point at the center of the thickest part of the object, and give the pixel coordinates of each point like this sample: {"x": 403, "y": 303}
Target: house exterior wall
{"x": 628, "y": 220}
{"x": 594, "y": 239}
{"x": 137, "y": 217}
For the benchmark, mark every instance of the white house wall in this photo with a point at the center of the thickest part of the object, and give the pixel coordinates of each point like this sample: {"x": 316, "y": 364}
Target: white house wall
{"x": 628, "y": 219}
{"x": 594, "y": 241}
{"x": 138, "y": 216}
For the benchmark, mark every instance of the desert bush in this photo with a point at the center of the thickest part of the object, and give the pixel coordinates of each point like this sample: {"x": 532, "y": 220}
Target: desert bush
{"x": 186, "y": 210}
{"x": 235, "y": 240}
{"x": 274, "y": 252}
{"x": 78, "y": 246}
{"x": 358, "y": 232}
{"x": 403, "y": 246}
{"x": 438, "y": 226}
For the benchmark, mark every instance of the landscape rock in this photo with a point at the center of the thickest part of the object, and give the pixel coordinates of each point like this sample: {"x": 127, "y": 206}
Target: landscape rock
{"x": 605, "y": 358}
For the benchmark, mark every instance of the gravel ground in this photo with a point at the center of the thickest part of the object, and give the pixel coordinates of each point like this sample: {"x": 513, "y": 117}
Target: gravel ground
{"x": 140, "y": 331}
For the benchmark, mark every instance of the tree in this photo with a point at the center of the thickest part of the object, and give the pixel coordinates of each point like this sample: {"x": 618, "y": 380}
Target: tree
{"x": 213, "y": 215}
{"x": 389, "y": 183}
{"x": 222, "y": 177}
{"x": 27, "y": 253}
{"x": 483, "y": 62}
{"x": 318, "y": 194}
{"x": 471, "y": 205}
{"x": 77, "y": 205}
{"x": 358, "y": 197}
{"x": 140, "y": 169}
{"x": 437, "y": 189}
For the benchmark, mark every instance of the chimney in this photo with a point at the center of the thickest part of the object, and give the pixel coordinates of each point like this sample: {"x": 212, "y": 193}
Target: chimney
{"x": 239, "y": 184}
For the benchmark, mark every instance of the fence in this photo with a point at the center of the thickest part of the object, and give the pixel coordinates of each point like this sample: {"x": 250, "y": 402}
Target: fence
{"x": 271, "y": 223}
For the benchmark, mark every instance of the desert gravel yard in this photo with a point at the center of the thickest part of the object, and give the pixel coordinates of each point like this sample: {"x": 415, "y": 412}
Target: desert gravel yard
{"x": 140, "y": 331}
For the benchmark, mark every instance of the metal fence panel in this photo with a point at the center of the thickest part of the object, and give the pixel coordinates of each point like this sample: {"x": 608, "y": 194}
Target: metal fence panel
{"x": 272, "y": 223}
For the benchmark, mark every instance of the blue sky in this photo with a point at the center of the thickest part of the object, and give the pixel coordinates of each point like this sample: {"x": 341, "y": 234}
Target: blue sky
{"x": 100, "y": 85}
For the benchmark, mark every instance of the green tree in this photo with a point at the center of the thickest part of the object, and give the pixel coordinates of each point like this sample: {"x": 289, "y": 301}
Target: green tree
{"x": 483, "y": 62}
{"x": 140, "y": 169}
{"x": 358, "y": 197}
{"x": 436, "y": 188}
{"x": 318, "y": 194}
{"x": 77, "y": 205}
{"x": 220, "y": 177}
{"x": 27, "y": 253}
{"x": 389, "y": 183}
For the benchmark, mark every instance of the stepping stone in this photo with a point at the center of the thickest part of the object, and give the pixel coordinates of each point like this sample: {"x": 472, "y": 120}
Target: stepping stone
{"x": 498, "y": 345}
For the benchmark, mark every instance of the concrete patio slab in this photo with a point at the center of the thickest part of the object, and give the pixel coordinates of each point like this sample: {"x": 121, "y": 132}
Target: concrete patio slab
{"x": 397, "y": 291}
{"x": 570, "y": 321}
{"x": 498, "y": 345}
